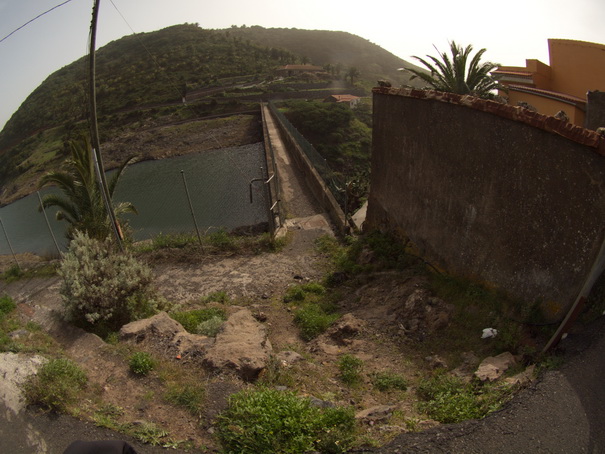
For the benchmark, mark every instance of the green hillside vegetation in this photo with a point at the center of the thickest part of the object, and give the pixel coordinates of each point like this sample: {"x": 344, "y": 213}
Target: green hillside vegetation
{"x": 336, "y": 51}
{"x": 142, "y": 78}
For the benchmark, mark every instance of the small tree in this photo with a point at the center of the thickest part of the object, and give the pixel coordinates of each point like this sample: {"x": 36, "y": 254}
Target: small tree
{"x": 458, "y": 74}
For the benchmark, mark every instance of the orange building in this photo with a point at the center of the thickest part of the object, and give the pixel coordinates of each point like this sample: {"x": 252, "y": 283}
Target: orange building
{"x": 576, "y": 67}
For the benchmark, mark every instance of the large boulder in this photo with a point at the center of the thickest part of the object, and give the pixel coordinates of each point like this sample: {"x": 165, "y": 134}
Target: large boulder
{"x": 242, "y": 346}
{"x": 160, "y": 325}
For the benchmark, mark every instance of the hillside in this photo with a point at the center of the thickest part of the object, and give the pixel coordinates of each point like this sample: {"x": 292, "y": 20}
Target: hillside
{"x": 142, "y": 78}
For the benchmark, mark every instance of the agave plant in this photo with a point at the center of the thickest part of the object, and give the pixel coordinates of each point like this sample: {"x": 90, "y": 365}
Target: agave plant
{"x": 459, "y": 73}
{"x": 81, "y": 203}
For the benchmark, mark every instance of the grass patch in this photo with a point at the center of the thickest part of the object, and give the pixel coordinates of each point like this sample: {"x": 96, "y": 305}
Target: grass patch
{"x": 350, "y": 369}
{"x": 14, "y": 273}
{"x": 388, "y": 381}
{"x": 219, "y": 242}
{"x": 269, "y": 421}
{"x": 56, "y": 386}
{"x": 7, "y": 305}
{"x": 217, "y": 297}
{"x": 200, "y": 321}
{"x": 303, "y": 292}
{"x": 312, "y": 320}
{"x": 189, "y": 396}
{"x": 141, "y": 363}
{"x": 448, "y": 399}
{"x": 476, "y": 308}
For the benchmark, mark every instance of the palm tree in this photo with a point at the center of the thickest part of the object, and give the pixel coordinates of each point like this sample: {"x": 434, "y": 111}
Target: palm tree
{"x": 457, "y": 74}
{"x": 81, "y": 204}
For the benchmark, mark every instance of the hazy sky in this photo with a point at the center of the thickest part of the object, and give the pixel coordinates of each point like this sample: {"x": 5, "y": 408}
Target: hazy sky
{"x": 511, "y": 31}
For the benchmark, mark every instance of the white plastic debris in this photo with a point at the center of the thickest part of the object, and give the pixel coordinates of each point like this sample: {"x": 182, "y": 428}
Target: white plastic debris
{"x": 489, "y": 332}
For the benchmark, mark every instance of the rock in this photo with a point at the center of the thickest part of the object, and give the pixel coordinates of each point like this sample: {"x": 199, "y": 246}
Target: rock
{"x": 423, "y": 314}
{"x": 242, "y": 347}
{"x": 493, "y": 367}
{"x": 376, "y": 413}
{"x": 159, "y": 325}
{"x": 524, "y": 378}
{"x": 14, "y": 370}
{"x": 465, "y": 371}
{"x": 288, "y": 357}
{"x": 345, "y": 328}
{"x": 191, "y": 346}
{"x": 18, "y": 334}
{"x": 320, "y": 403}
{"x": 436, "y": 362}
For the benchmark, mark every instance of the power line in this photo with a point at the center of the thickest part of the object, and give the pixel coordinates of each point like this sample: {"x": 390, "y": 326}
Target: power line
{"x": 31, "y": 20}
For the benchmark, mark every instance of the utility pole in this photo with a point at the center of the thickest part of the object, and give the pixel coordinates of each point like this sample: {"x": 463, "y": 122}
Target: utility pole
{"x": 94, "y": 128}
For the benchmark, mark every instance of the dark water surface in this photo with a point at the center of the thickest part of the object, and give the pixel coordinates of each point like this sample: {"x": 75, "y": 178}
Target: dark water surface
{"x": 218, "y": 183}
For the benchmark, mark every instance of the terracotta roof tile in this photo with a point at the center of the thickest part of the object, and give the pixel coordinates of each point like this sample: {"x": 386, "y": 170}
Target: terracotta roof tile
{"x": 546, "y": 122}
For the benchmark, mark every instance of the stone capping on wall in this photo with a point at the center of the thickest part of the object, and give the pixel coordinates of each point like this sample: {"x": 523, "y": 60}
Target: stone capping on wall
{"x": 516, "y": 113}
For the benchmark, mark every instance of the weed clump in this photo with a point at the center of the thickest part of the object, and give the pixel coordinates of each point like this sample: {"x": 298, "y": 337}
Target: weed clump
{"x": 350, "y": 369}
{"x": 387, "y": 381}
{"x": 56, "y": 386}
{"x": 141, "y": 363}
{"x": 206, "y": 321}
{"x": 313, "y": 320}
{"x": 448, "y": 399}
{"x": 268, "y": 421}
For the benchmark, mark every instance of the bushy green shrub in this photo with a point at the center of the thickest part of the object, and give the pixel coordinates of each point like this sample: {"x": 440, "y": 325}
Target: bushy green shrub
{"x": 268, "y": 421}
{"x": 7, "y": 305}
{"x": 350, "y": 369}
{"x": 448, "y": 399}
{"x": 313, "y": 320}
{"x": 210, "y": 327}
{"x": 56, "y": 385}
{"x": 386, "y": 381}
{"x": 192, "y": 320}
{"x": 104, "y": 289}
{"x": 141, "y": 363}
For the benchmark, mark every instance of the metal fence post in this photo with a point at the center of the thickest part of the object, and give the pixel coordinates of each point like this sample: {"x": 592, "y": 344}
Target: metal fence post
{"x": 48, "y": 223}
{"x": 9, "y": 244}
{"x": 197, "y": 230}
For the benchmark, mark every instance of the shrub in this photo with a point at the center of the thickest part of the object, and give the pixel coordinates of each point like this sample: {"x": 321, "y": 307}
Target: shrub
{"x": 191, "y": 320}
{"x": 7, "y": 305}
{"x": 141, "y": 363}
{"x": 103, "y": 289}
{"x": 313, "y": 320}
{"x": 12, "y": 274}
{"x": 350, "y": 369}
{"x": 449, "y": 399}
{"x": 56, "y": 385}
{"x": 210, "y": 327}
{"x": 385, "y": 381}
{"x": 270, "y": 421}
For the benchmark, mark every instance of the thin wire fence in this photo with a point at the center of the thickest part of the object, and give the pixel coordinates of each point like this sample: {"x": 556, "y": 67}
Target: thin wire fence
{"x": 217, "y": 193}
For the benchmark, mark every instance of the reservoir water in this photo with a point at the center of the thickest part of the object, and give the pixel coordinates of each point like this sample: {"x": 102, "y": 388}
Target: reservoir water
{"x": 219, "y": 184}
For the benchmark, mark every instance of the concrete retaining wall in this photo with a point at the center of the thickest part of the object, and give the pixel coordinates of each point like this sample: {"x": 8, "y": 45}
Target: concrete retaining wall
{"x": 314, "y": 181}
{"x": 496, "y": 193}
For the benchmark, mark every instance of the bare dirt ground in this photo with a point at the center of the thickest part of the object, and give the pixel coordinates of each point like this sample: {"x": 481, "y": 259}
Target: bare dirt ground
{"x": 259, "y": 282}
